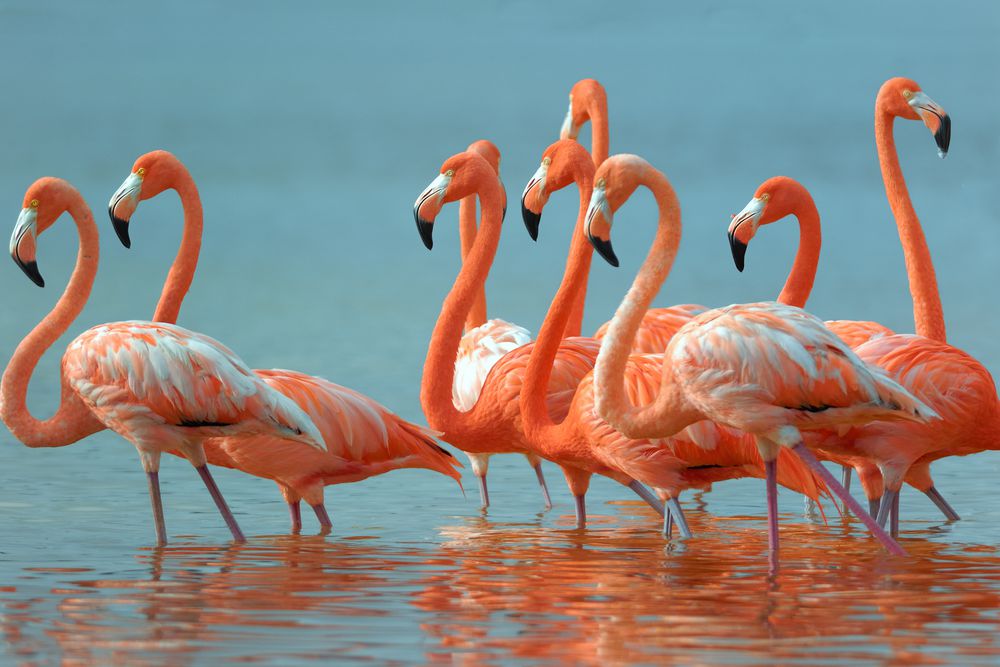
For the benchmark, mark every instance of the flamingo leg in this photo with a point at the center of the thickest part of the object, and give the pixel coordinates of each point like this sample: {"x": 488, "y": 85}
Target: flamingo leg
{"x": 845, "y": 476}
{"x": 894, "y": 521}
{"x": 220, "y": 502}
{"x": 154, "y": 498}
{"x": 295, "y": 513}
{"x": 677, "y": 514}
{"x": 942, "y": 504}
{"x": 668, "y": 523}
{"x": 541, "y": 483}
{"x": 581, "y": 511}
{"x": 885, "y": 507}
{"x": 771, "y": 470}
{"x": 810, "y": 460}
{"x": 647, "y": 495}
{"x": 873, "y": 506}
{"x": 484, "y": 493}
{"x": 325, "y": 524}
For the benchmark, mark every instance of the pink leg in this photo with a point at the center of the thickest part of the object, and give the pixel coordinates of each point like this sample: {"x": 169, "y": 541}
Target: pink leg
{"x": 325, "y": 525}
{"x": 771, "y": 468}
{"x": 894, "y": 521}
{"x": 541, "y": 483}
{"x": 484, "y": 493}
{"x": 809, "y": 459}
{"x": 885, "y": 507}
{"x": 677, "y": 514}
{"x": 845, "y": 476}
{"x": 581, "y": 511}
{"x": 668, "y": 524}
{"x": 647, "y": 495}
{"x": 220, "y": 502}
{"x": 295, "y": 512}
{"x": 154, "y": 497}
{"x": 942, "y": 504}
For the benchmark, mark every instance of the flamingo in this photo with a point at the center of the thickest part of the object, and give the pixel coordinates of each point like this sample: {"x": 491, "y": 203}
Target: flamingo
{"x": 774, "y": 200}
{"x": 159, "y": 386}
{"x": 363, "y": 438}
{"x": 588, "y": 101}
{"x": 586, "y": 443}
{"x": 766, "y": 369}
{"x": 493, "y": 424}
{"x": 484, "y": 341}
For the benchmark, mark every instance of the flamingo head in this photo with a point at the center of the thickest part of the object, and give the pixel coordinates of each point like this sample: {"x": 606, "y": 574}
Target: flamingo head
{"x": 491, "y": 154}
{"x": 44, "y": 202}
{"x": 461, "y": 175}
{"x": 615, "y": 181}
{"x": 582, "y": 97}
{"x": 776, "y": 198}
{"x": 563, "y": 162}
{"x": 903, "y": 97}
{"x": 151, "y": 174}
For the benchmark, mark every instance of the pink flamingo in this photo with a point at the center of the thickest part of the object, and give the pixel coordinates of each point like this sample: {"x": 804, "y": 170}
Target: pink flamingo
{"x": 484, "y": 341}
{"x": 588, "y": 444}
{"x": 769, "y": 370}
{"x": 363, "y": 438}
{"x": 774, "y": 200}
{"x": 157, "y": 385}
{"x": 493, "y": 424}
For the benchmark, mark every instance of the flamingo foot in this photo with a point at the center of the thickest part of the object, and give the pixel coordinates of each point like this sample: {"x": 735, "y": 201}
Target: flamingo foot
{"x": 484, "y": 493}
{"x": 942, "y": 504}
{"x": 677, "y": 514}
{"x": 541, "y": 483}
{"x": 873, "y": 506}
{"x": 295, "y": 513}
{"x": 154, "y": 498}
{"x": 810, "y": 459}
{"x": 894, "y": 521}
{"x": 581, "y": 511}
{"x": 325, "y": 525}
{"x": 220, "y": 502}
{"x": 771, "y": 469}
{"x": 885, "y": 507}
{"x": 647, "y": 495}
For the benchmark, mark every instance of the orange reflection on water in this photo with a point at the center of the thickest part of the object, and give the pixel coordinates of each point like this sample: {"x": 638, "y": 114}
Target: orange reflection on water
{"x": 488, "y": 592}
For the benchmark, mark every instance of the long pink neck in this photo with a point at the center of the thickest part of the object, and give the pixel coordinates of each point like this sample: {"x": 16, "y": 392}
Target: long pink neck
{"x": 439, "y": 366}
{"x": 928, "y": 316}
{"x": 467, "y": 236}
{"x": 609, "y": 372}
{"x": 182, "y": 270}
{"x": 73, "y": 420}
{"x": 534, "y": 391}
{"x": 800, "y": 279}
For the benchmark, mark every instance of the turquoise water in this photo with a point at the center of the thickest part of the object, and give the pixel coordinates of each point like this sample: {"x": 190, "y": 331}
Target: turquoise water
{"x": 310, "y": 130}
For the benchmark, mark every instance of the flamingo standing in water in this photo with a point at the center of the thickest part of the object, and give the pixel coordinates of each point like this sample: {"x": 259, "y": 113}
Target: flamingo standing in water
{"x": 774, "y": 200}
{"x": 157, "y": 385}
{"x": 484, "y": 341}
{"x": 767, "y": 369}
{"x": 493, "y": 424}
{"x": 363, "y": 438}
{"x": 583, "y": 441}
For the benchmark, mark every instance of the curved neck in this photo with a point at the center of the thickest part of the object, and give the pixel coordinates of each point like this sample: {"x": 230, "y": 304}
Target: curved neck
{"x": 73, "y": 420}
{"x": 467, "y": 237}
{"x": 609, "y": 371}
{"x": 534, "y": 409}
{"x": 928, "y": 317}
{"x": 800, "y": 279}
{"x": 439, "y": 365}
{"x": 599, "y": 139}
{"x": 182, "y": 270}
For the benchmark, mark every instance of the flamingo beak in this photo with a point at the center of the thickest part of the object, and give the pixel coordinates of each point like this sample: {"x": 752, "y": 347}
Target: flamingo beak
{"x": 534, "y": 198}
{"x": 22, "y": 244}
{"x": 742, "y": 229}
{"x": 598, "y": 223}
{"x": 428, "y": 205}
{"x": 568, "y": 129}
{"x": 935, "y": 118}
{"x": 123, "y": 204}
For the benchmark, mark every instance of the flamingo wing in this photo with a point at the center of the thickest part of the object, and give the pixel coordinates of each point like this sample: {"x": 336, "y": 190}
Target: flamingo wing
{"x": 658, "y": 326}
{"x": 478, "y": 352}
{"x": 857, "y": 332}
{"x": 130, "y": 371}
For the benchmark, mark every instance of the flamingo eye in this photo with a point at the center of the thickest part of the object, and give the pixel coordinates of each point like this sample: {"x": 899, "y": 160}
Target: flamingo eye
{"x": 34, "y": 203}
{"x": 765, "y": 197}
{"x": 907, "y": 94}
{"x": 601, "y": 183}
{"x": 141, "y": 171}
{"x": 546, "y": 161}
{"x": 449, "y": 173}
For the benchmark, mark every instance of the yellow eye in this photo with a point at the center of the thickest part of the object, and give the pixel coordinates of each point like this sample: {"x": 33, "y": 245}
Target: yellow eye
{"x": 907, "y": 94}
{"x": 546, "y": 161}
{"x": 449, "y": 173}
{"x": 34, "y": 203}
{"x": 600, "y": 183}
{"x": 765, "y": 197}
{"x": 141, "y": 171}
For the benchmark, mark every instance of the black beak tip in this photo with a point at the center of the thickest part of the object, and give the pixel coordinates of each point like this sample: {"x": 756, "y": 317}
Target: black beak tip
{"x": 426, "y": 230}
{"x": 605, "y": 250}
{"x": 943, "y": 136}
{"x": 531, "y": 221}
{"x": 31, "y": 270}
{"x": 121, "y": 229}
{"x": 739, "y": 252}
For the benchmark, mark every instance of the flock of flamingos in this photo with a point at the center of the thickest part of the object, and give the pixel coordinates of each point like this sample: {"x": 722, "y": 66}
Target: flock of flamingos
{"x": 660, "y": 400}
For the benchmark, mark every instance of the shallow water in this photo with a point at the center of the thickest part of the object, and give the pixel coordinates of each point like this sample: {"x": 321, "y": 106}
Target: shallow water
{"x": 310, "y": 132}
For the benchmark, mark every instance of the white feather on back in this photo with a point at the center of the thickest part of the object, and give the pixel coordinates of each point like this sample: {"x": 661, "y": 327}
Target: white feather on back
{"x": 479, "y": 350}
